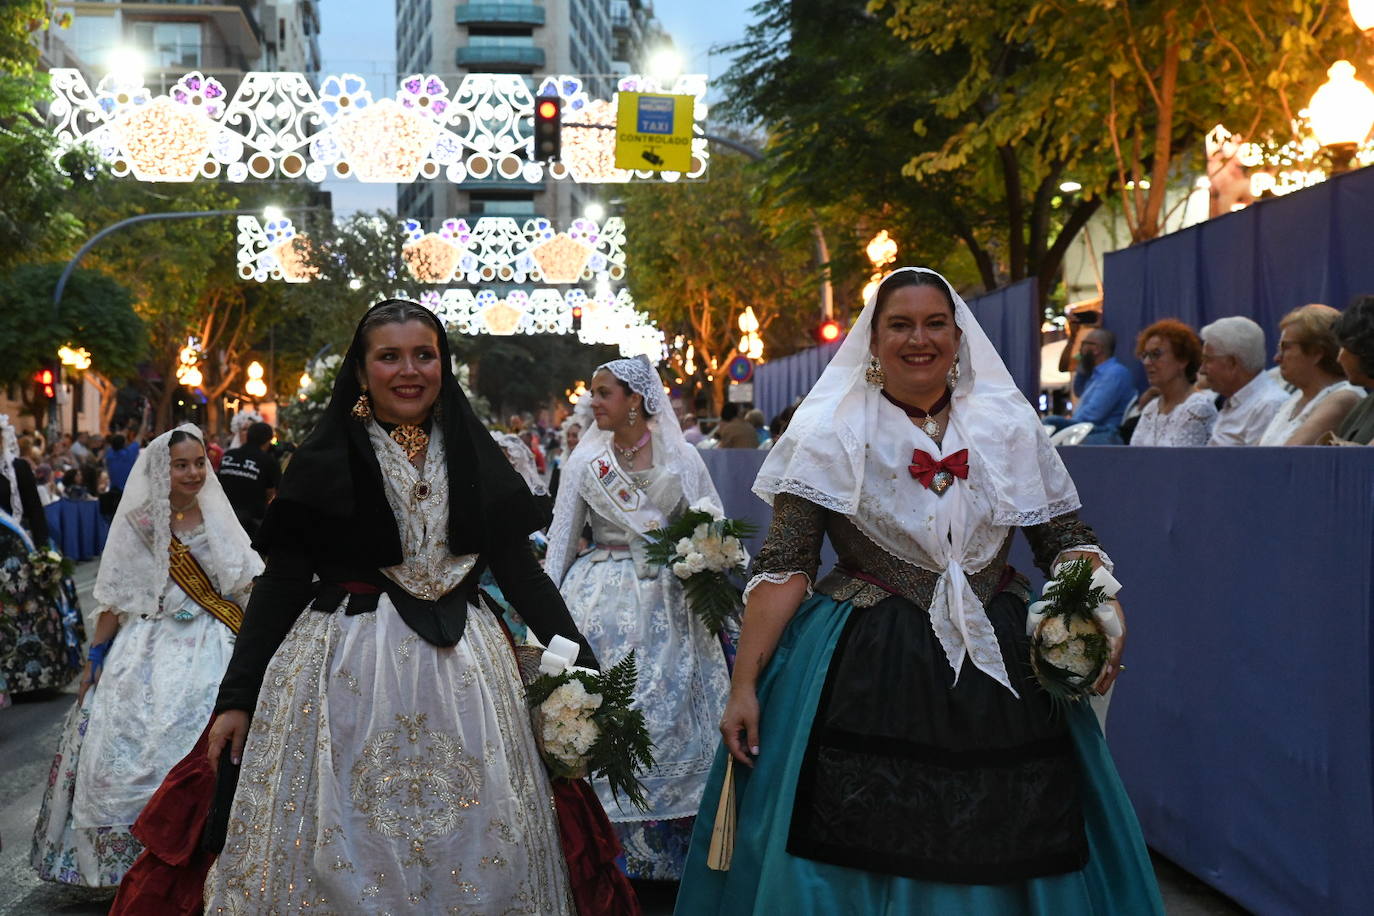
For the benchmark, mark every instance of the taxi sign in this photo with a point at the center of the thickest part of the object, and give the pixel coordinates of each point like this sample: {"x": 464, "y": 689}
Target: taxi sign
{"x": 654, "y": 131}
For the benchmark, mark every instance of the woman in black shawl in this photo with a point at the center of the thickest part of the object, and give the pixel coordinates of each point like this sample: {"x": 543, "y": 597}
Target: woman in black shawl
{"x": 390, "y": 762}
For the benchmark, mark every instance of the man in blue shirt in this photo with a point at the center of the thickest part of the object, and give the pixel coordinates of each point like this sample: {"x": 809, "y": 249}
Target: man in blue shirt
{"x": 1109, "y": 391}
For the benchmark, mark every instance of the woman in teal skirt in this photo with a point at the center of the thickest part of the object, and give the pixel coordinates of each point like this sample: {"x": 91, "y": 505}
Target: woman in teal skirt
{"x": 892, "y": 752}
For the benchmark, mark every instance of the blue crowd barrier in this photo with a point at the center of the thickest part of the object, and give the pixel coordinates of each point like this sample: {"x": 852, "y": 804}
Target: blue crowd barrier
{"x": 1244, "y": 725}
{"x": 77, "y": 527}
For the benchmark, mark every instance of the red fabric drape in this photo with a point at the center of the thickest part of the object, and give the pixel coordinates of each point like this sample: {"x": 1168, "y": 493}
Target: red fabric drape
{"x": 168, "y": 878}
{"x": 590, "y": 846}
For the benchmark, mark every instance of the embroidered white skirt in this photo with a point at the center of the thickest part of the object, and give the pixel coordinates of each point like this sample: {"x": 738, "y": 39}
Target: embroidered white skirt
{"x": 383, "y": 774}
{"x": 683, "y": 680}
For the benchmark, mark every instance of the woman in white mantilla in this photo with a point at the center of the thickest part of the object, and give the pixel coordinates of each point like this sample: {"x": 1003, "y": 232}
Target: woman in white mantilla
{"x": 390, "y": 764}
{"x": 630, "y": 474}
{"x": 892, "y": 752}
{"x": 174, "y": 575}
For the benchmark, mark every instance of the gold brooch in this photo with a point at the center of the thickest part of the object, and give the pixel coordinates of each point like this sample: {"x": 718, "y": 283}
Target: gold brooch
{"x": 412, "y": 439}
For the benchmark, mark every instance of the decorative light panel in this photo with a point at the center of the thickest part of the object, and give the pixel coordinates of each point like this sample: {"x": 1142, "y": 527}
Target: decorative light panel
{"x": 607, "y": 317}
{"x": 274, "y": 251}
{"x": 277, "y": 126}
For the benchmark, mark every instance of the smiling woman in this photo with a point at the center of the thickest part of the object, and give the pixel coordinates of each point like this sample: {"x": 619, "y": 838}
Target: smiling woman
{"x": 173, "y": 577}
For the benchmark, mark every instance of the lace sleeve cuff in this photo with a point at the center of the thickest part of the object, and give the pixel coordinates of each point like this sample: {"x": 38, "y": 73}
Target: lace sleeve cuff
{"x": 777, "y": 578}
{"x": 1107, "y": 563}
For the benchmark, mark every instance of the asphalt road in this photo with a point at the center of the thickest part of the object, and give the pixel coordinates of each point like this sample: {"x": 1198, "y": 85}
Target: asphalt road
{"x": 29, "y": 733}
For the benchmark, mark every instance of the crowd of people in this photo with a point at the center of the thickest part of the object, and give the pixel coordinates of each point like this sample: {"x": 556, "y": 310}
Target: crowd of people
{"x": 331, "y": 629}
{"x": 1212, "y": 386}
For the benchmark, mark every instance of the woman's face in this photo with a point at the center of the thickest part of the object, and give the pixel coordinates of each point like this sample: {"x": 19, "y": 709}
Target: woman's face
{"x": 574, "y": 436}
{"x": 402, "y": 371}
{"x": 188, "y": 469}
{"x": 1162, "y": 366}
{"x": 1351, "y": 364}
{"x": 1295, "y": 365}
{"x": 610, "y": 402}
{"x": 915, "y": 341}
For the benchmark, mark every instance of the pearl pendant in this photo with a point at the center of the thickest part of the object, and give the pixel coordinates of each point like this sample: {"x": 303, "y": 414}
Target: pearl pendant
{"x": 930, "y": 427}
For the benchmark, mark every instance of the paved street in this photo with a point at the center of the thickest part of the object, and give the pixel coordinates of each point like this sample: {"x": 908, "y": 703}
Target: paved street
{"x": 28, "y": 736}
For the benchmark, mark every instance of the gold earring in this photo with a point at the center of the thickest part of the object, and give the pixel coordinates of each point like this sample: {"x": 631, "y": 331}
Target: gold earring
{"x": 362, "y": 408}
{"x": 952, "y": 377}
{"x": 633, "y": 416}
{"x": 874, "y": 374}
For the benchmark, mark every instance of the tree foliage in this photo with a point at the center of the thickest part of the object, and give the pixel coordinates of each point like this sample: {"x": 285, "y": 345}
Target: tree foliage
{"x": 1118, "y": 95}
{"x": 700, "y": 253}
{"x": 96, "y": 314}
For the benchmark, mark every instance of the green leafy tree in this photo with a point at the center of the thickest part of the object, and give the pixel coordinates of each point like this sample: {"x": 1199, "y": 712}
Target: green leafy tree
{"x": 1119, "y": 95}
{"x": 96, "y": 314}
{"x": 701, "y": 253}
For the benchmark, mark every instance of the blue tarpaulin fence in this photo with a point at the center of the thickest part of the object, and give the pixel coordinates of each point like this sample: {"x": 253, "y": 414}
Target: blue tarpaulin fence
{"x": 1310, "y": 246}
{"x": 1008, "y": 315}
{"x": 1244, "y": 727}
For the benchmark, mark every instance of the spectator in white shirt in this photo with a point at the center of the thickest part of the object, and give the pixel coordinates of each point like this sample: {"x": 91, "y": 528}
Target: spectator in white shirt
{"x": 1306, "y": 357}
{"x": 1233, "y": 357}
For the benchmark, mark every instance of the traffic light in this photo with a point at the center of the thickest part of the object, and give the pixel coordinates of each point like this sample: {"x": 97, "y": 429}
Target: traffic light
{"x": 829, "y": 331}
{"x": 548, "y": 128}
{"x": 44, "y": 382}
{"x": 576, "y": 318}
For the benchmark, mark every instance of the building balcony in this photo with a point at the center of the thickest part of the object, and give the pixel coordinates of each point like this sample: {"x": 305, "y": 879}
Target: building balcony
{"x": 500, "y": 14}
{"x": 486, "y": 58}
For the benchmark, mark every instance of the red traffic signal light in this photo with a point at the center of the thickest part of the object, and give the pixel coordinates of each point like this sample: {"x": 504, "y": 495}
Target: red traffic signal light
{"x": 577, "y": 317}
{"x": 829, "y": 331}
{"x": 43, "y": 380}
{"x": 548, "y": 128}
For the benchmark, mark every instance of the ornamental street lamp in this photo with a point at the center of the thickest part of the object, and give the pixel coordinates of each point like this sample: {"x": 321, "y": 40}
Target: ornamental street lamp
{"x": 1341, "y": 113}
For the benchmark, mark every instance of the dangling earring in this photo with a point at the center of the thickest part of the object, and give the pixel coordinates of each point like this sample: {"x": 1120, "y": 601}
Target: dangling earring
{"x": 952, "y": 377}
{"x": 633, "y": 416}
{"x": 874, "y": 373}
{"x": 362, "y": 408}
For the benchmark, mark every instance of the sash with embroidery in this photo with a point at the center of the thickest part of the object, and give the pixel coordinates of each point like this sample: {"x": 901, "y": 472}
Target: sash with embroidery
{"x": 188, "y": 574}
{"x": 633, "y": 507}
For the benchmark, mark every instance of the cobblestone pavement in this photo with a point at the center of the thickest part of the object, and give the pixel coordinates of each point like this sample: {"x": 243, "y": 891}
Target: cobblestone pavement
{"x": 28, "y": 737}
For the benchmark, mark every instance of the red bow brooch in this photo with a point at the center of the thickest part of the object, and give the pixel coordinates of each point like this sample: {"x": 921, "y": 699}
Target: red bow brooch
{"x": 939, "y": 475}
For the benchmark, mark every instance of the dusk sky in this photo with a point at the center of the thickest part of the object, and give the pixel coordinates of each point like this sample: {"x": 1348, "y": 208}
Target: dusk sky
{"x": 360, "y": 38}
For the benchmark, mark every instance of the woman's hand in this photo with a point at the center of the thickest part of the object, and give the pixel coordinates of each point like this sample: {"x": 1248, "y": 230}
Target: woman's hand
{"x": 739, "y": 725}
{"x": 88, "y": 680}
{"x": 1116, "y": 646}
{"x": 231, "y": 727}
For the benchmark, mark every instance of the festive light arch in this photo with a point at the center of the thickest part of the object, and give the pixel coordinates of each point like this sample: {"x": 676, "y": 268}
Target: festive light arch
{"x": 607, "y": 317}
{"x": 276, "y": 126}
{"x": 492, "y": 249}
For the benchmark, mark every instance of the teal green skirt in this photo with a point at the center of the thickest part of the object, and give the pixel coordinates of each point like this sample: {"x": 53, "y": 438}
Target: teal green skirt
{"x": 765, "y": 879}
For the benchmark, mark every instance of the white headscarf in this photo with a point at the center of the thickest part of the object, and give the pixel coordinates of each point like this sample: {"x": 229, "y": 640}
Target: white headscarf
{"x": 9, "y": 451}
{"x": 672, "y": 452}
{"x": 522, "y": 459}
{"x": 844, "y": 429}
{"x": 133, "y": 566}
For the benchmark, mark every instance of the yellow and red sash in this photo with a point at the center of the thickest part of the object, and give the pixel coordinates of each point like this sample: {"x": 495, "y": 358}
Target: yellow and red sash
{"x": 188, "y": 574}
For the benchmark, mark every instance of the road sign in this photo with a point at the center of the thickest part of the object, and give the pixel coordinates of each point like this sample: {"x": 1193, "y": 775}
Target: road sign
{"x": 654, "y": 132}
{"x": 741, "y": 369}
{"x": 740, "y": 393}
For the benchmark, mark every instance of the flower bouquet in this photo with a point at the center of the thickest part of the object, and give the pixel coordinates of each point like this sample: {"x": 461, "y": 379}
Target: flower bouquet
{"x": 48, "y": 568}
{"x": 1070, "y": 628}
{"x": 703, "y": 548}
{"x": 583, "y": 722}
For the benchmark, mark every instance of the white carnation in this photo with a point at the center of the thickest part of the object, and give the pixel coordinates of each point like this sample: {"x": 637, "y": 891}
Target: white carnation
{"x": 684, "y": 547}
{"x": 1053, "y": 632}
{"x": 696, "y": 562}
{"x": 682, "y": 570}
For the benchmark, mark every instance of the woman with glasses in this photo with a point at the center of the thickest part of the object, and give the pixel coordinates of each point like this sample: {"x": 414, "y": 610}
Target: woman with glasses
{"x": 1180, "y": 416}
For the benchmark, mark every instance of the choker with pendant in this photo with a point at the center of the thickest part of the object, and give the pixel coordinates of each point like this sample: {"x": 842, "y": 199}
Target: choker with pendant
{"x": 411, "y": 438}
{"x": 927, "y": 417}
